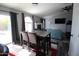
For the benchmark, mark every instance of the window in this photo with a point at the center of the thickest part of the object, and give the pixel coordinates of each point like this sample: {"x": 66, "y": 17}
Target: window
{"x": 28, "y": 24}
{"x": 5, "y": 29}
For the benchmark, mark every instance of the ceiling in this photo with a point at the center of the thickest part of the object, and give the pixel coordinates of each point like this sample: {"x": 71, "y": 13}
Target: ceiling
{"x": 42, "y": 9}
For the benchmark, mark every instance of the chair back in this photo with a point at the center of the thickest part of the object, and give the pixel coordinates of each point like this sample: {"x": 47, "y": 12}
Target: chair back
{"x": 32, "y": 37}
{"x": 24, "y": 36}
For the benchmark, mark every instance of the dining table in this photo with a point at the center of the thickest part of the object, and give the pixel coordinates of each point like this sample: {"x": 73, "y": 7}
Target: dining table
{"x": 45, "y": 37}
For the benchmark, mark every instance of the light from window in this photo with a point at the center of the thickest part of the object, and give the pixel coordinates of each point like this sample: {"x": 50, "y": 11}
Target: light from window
{"x": 5, "y": 29}
{"x": 28, "y": 24}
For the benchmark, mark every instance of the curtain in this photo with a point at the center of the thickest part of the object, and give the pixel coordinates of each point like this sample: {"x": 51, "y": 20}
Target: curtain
{"x": 33, "y": 22}
{"x": 23, "y": 22}
{"x": 14, "y": 25}
{"x": 44, "y": 24}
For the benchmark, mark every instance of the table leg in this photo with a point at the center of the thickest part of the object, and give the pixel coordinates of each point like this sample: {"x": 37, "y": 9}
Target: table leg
{"x": 50, "y": 41}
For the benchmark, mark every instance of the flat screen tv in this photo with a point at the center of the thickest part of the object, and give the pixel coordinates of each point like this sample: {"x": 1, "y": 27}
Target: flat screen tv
{"x": 60, "y": 20}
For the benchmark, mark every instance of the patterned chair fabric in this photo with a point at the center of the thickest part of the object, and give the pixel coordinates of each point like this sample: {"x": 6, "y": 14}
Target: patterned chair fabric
{"x": 32, "y": 38}
{"x": 25, "y": 36}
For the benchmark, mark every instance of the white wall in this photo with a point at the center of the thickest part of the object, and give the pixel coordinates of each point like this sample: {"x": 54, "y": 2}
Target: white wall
{"x": 37, "y": 19}
{"x": 74, "y": 42}
{"x": 50, "y": 20}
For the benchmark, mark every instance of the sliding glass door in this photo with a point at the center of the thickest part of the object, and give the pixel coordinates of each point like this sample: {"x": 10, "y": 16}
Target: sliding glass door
{"x": 5, "y": 28}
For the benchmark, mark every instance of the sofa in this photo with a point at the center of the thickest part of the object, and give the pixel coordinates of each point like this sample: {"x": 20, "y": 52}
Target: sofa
{"x": 55, "y": 33}
{"x": 56, "y": 36}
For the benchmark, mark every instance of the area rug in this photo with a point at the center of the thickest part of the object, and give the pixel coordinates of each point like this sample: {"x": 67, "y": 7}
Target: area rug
{"x": 16, "y": 50}
{"x": 53, "y": 52}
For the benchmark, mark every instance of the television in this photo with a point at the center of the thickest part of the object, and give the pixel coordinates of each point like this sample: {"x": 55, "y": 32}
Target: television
{"x": 60, "y": 20}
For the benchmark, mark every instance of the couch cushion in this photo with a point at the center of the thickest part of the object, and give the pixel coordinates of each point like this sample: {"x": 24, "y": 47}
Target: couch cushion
{"x": 55, "y": 33}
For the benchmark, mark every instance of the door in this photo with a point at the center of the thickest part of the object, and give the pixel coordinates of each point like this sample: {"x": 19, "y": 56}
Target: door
{"x": 74, "y": 41}
{"x": 5, "y": 28}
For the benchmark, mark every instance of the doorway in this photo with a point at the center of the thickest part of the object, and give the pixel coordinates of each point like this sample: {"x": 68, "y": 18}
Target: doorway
{"x": 5, "y": 28}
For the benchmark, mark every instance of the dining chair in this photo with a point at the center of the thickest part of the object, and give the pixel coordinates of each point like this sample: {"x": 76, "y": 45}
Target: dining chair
{"x": 34, "y": 43}
{"x": 32, "y": 39}
{"x": 25, "y": 39}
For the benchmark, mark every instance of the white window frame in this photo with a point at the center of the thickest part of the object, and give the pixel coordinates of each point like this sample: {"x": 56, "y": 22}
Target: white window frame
{"x": 29, "y": 27}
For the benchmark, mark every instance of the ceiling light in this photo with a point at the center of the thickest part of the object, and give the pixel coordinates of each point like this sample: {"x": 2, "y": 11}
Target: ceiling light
{"x": 35, "y": 4}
